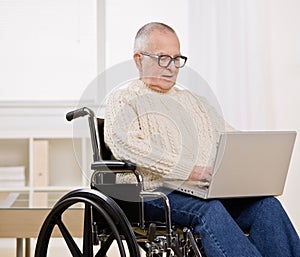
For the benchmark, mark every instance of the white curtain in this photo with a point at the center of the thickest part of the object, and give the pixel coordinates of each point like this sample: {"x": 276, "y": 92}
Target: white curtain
{"x": 229, "y": 48}
{"x": 249, "y": 52}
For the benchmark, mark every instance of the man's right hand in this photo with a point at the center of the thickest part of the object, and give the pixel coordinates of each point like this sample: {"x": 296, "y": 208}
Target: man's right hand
{"x": 200, "y": 173}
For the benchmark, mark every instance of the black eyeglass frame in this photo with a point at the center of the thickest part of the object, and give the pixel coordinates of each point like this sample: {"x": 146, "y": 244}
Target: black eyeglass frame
{"x": 172, "y": 59}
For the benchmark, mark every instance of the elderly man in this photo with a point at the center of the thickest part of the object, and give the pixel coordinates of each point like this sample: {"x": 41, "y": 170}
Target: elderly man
{"x": 171, "y": 133}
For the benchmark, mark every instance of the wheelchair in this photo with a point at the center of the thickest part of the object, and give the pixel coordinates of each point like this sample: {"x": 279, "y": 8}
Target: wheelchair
{"x": 115, "y": 223}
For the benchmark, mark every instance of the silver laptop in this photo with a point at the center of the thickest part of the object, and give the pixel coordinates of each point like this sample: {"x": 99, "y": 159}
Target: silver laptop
{"x": 247, "y": 164}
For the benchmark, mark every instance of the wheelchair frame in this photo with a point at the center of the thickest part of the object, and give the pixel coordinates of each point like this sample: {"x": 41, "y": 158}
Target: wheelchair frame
{"x": 107, "y": 219}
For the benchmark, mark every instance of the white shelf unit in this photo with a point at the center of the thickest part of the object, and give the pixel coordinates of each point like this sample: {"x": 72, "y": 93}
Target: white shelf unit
{"x": 68, "y": 167}
{"x": 66, "y": 170}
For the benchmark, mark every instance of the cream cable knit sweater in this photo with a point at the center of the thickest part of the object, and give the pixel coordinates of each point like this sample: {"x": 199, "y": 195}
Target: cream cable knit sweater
{"x": 165, "y": 134}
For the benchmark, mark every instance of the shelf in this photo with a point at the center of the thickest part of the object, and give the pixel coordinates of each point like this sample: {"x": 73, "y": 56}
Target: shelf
{"x": 53, "y": 166}
{"x": 15, "y": 189}
{"x": 55, "y": 189}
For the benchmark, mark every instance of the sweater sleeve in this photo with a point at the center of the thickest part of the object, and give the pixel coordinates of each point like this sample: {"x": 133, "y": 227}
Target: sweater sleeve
{"x": 127, "y": 140}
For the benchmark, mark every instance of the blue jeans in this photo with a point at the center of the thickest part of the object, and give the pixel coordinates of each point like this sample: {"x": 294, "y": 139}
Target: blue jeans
{"x": 220, "y": 224}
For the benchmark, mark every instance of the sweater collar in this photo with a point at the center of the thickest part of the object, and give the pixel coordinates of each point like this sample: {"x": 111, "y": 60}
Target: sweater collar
{"x": 141, "y": 85}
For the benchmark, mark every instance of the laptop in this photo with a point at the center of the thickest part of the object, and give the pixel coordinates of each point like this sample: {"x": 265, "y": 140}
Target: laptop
{"x": 247, "y": 164}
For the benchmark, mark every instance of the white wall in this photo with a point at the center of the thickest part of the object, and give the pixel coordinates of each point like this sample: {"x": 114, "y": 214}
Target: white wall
{"x": 47, "y": 49}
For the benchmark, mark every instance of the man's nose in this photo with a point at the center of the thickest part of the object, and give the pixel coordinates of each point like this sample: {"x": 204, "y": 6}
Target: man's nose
{"x": 172, "y": 66}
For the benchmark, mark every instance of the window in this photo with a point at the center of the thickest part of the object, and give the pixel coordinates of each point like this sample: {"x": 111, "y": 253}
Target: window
{"x": 48, "y": 49}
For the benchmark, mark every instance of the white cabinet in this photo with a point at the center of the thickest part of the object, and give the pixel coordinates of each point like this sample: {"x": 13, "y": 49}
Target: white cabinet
{"x": 38, "y": 138}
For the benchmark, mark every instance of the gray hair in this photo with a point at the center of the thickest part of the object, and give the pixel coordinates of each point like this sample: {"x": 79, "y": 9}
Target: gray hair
{"x": 140, "y": 41}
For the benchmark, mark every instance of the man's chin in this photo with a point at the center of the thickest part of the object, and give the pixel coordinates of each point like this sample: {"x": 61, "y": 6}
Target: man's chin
{"x": 161, "y": 84}
{"x": 165, "y": 85}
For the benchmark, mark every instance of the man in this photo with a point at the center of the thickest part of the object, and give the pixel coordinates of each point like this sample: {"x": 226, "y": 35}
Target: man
{"x": 171, "y": 133}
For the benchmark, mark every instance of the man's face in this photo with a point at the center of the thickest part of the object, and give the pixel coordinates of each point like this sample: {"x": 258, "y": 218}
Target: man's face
{"x": 160, "y": 78}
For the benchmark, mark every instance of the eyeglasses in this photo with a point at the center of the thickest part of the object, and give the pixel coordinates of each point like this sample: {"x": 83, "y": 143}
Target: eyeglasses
{"x": 165, "y": 60}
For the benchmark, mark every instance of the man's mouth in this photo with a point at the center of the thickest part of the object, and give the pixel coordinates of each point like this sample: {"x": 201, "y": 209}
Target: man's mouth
{"x": 168, "y": 77}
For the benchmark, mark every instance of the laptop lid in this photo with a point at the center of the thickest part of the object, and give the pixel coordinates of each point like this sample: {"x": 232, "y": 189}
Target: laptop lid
{"x": 251, "y": 163}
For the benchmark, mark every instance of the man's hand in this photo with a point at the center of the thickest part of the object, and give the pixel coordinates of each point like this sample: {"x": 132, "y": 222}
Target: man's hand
{"x": 200, "y": 173}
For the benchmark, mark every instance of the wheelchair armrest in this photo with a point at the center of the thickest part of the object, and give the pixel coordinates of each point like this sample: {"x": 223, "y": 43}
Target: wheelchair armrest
{"x": 115, "y": 165}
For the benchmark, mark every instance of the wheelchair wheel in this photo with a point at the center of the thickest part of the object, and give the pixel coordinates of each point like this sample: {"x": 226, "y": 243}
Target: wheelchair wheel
{"x": 95, "y": 202}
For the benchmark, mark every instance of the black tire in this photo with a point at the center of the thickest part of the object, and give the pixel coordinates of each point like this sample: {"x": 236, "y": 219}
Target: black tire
{"x": 96, "y": 202}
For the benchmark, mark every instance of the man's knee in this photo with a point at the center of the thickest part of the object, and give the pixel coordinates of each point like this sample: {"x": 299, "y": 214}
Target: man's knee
{"x": 213, "y": 209}
{"x": 270, "y": 203}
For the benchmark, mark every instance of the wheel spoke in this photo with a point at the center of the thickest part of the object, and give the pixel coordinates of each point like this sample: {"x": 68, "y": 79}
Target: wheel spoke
{"x": 105, "y": 245}
{"x": 75, "y": 251}
{"x": 87, "y": 232}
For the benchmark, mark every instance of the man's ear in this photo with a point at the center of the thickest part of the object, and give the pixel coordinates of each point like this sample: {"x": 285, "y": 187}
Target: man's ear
{"x": 138, "y": 61}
